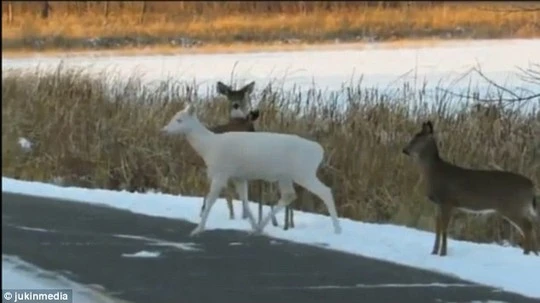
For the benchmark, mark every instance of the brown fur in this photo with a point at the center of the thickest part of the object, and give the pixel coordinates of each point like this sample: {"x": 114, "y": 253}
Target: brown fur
{"x": 238, "y": 124}
{"x": 453, "y": 187}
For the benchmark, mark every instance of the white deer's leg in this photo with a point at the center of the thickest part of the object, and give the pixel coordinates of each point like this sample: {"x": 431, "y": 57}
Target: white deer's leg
{"x": 288, "y": 195}
{"x": 315, "y": 186}
{"x": 242, "y": 190}
{"x": 215, "y": 189}
{"x": 202, "y": 207}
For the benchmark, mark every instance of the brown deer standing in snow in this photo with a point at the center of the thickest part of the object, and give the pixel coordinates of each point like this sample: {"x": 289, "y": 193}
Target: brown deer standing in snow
{"x": 475, "y": 191}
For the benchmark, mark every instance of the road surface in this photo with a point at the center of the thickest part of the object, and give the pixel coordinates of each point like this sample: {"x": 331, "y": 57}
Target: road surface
{"x": 92, "y": 244}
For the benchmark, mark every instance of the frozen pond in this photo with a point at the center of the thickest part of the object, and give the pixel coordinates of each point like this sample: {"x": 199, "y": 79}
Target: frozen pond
{"x": 446, "y": 66}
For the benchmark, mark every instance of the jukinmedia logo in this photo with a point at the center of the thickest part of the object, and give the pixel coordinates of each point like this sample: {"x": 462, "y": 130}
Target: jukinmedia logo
{"x": 37, "y": 295}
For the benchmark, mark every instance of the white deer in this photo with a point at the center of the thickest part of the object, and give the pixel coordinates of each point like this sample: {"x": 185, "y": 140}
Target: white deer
{"x": 244, "y": 156}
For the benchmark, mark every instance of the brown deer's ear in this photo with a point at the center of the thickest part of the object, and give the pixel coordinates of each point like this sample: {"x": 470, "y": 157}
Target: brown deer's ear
{"x": 223, "y": 88}
{"x": 248, "y": 89}
{"x": 427, "y": 128}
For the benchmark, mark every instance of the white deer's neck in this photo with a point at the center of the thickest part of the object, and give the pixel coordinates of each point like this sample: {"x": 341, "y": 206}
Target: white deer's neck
{"x": 200, "y": 139}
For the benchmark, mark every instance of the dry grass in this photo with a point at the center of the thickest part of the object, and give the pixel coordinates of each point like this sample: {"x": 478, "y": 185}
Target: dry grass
{"x": 73, "y": 27}
{"x": 93, "y": 137}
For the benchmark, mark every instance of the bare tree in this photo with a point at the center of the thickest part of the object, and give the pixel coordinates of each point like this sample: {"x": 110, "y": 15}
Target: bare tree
{"x": 506, "y": 95}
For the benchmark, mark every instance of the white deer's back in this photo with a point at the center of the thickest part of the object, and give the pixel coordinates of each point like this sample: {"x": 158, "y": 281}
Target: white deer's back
{"x": 261, "y": 155}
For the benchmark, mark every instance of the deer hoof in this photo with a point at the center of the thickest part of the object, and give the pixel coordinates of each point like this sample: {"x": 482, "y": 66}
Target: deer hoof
{"x": 197, "y": 231}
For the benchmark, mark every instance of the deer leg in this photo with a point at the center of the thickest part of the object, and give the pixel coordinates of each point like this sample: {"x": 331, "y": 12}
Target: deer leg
{"x": 528, "y": 232}
{"x": 202, "y": 206}
{"x": 286, "y": 222}
{"x": 230, "y": 205}
{"x": 288, "y": 195}
{"x": 314, "y": 185}
{"x": 289, "y": 223}
{"x": 242, "y": 190}
{"x": 291, "y": 216}
{"x": 437, "y": 232}
{"x": 215, "y": 188}
{"x": 445, "y": 221}
{"x": 534, "y": 243}
{"x": 274, "y": 220}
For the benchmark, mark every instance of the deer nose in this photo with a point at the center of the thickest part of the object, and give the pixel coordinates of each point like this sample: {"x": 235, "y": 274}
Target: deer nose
{"x": 405, "y": 151}
{"x": 235, "y": 106}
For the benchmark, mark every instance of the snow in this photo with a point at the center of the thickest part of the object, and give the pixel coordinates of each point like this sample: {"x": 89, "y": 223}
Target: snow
{"x": 159, "y": 242}
{"x": 490, "y": 264}
{"x": 444, "y": 65}
{"x": 18, "y": 274}
{"x": 142, "y": 254}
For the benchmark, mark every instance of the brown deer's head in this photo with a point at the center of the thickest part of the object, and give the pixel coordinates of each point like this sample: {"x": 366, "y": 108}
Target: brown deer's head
{"x": 423, "y": 143}
{"x": 239, "y": 100}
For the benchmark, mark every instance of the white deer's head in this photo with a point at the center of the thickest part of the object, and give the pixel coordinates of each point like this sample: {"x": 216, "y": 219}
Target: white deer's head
{"x": 182, "y": 122}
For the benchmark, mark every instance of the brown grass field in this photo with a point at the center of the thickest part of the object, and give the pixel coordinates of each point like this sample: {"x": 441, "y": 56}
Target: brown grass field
{"x": 93, "y": 137}
{"x": 80, "y": 25}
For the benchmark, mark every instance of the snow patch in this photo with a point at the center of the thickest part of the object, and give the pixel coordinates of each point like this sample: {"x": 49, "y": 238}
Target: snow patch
{"x": 501, "y": 267}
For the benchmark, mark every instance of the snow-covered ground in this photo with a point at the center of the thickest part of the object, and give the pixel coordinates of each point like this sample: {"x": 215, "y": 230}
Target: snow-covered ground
{"x": 443, "y": 65}
{"x": 502, "y": 267}
{"x": 18, "y": 274}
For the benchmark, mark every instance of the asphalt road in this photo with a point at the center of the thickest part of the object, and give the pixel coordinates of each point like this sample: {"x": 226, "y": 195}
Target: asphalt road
{"x": 89, "y": 243}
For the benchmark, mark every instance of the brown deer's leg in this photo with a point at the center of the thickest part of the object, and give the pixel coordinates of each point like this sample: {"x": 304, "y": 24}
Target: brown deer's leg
{"x": 528, "y": 233}
{"x": 231, "y": 208}
{"x": 534, "y": 243}
{"x": 274, "y": 220}
{"x": 446, "y": 214}
{"x": 437, "y": 233}
{"x": 229, "y": 195}
{"x": 289, "y": 222}
{"x": 286, "y": 223}
{"x": 260, "y": 212}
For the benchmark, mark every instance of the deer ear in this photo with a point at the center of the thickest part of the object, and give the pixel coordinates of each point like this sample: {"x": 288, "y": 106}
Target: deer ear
{"x": 248, "y": 89}
{"x": 427, "y": 127}
{"x": 223, "y": 88}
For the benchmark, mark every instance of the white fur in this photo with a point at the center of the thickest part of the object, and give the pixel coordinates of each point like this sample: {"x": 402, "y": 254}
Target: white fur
{"x": 238, "y": 113}
{"x": 243, "y": 156}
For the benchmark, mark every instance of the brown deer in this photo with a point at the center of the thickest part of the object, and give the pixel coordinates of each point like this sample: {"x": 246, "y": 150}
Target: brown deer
{"x": 475, "y": 191}
{"x": 241, "y": 118}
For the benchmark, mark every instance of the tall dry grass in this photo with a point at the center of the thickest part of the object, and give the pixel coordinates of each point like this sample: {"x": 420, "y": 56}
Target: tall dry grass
{"x": 94, "y": 137}
{"x": 84, "y": 24}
